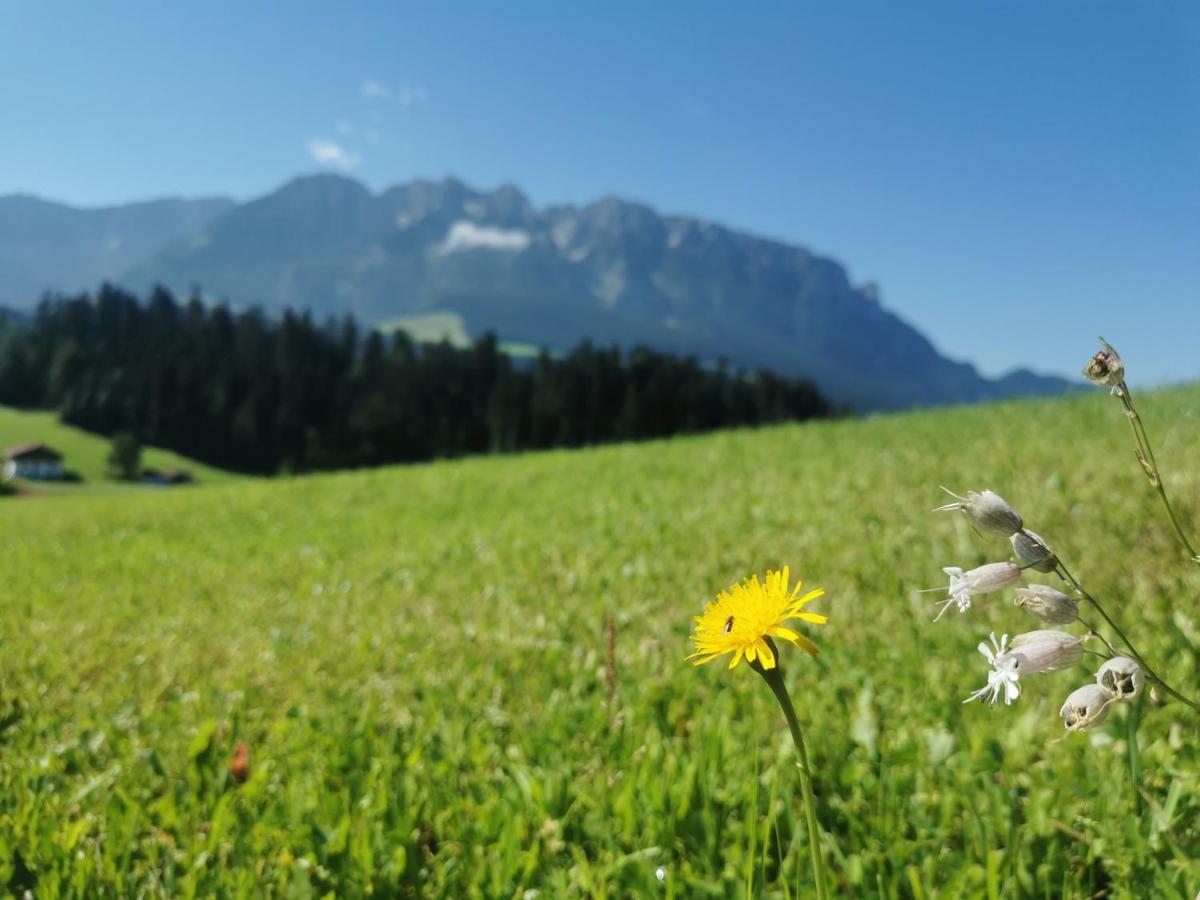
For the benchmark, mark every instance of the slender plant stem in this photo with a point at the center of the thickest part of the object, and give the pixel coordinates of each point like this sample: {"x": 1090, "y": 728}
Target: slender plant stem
{"x": 774, "y": 678}
{"x": 1111, "y": 650}
{"x": 1145, "y": 454}
{"x": 1070, "y": 579}
{"x": 1134, "y": 752}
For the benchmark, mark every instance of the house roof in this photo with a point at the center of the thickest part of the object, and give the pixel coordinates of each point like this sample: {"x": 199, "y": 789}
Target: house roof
{"x": 31, "y": 448}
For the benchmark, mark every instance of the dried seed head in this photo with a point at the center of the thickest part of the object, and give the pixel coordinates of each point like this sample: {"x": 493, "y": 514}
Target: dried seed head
{"x": 1045, "y": 651}
{"x": 1047, "y": 604}
{"x": 1085, "y": 707}
{"x": 988, "y": 511}
{"x": 1032, "y": 552}
{"x": 1122, "y": 677}
{"x": 1106, "y": 368}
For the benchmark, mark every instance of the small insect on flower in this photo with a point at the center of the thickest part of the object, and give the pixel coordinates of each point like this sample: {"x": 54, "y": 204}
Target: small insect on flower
{"x": 1122, "y": 677}
{"x": 988, "y": 511}
{"x": 980, "y": 580}
{"x": 1106, "y": 368}
{"x": 742, "y": 619}
{"x": 1085, "y": 707}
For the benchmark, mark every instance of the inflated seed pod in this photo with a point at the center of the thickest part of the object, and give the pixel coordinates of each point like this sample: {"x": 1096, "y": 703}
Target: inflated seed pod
{"x": 1122, "y": 677}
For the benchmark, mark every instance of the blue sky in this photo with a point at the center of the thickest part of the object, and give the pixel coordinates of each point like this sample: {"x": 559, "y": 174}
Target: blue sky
{"x": 1017, "y": 176}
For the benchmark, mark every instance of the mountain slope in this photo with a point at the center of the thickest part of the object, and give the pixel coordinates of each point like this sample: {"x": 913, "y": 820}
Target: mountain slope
{"x": 611, "y": 271}
{"x": 51, "y": 246}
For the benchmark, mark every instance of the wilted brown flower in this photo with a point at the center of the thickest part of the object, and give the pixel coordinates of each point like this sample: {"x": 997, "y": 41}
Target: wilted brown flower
{"x": 1106, "y": 368}
{"x": 239, "y": 765}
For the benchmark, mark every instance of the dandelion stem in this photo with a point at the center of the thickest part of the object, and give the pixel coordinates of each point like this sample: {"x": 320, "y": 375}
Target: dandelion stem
{"x": 1145, "y": 454}
{"x": 774, "y": 678}
{"x": 1070, "y": 579}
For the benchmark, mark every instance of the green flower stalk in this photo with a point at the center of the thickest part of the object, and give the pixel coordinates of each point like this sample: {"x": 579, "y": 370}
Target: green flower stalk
{"x": 774, "y": 679}
{"x": 743, "y": 622}
{"x": 1108, "y": 370}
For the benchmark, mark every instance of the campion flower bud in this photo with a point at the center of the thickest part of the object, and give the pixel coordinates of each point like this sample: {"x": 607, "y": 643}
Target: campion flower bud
{"x": 988, "y": 511}
{"x": 980, "y": 580}
{"x": 1085, "y": 707}
{"x": 1106, "y": 368}
{"x": 1045, "y": 651}
{"x": 1046, "y": 604}
{"x": 1122, "y": 677}
{"x": 1031, "y": 551}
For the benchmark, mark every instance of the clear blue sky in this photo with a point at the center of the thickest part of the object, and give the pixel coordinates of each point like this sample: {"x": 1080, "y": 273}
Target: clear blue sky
{"x": 1017, "y": 176}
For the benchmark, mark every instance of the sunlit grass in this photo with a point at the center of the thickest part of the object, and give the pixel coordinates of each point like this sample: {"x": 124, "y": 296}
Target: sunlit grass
{"x": 416, "y": 659}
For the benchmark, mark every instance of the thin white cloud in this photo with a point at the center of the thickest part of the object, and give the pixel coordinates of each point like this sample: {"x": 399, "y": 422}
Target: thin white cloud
{"x": 343, "y": 127}
{"x": 372, "y": 89}
{"x": 331, "y": 153}
{"x": 464, "y": 235}
{"x": 412, "y": 95}
{"x": 404, "y": 95}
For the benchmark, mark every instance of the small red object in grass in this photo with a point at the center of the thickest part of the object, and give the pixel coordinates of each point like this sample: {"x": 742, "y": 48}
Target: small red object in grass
{"x": 239, "y": 766}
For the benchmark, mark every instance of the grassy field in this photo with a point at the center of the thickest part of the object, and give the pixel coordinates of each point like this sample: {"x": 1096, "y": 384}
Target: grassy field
{"x": 416, "y": 660}
{"x": 87, "y": 453}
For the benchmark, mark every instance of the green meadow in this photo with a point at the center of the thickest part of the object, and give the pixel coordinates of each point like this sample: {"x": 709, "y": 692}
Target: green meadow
{"x": 418, "y": 660}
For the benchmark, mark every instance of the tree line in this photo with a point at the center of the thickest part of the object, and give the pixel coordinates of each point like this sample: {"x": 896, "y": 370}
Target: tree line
{"x": 242, "y": 391}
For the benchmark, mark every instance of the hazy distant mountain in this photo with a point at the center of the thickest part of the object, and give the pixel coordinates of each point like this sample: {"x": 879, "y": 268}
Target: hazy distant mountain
{"x": 45, "y": 245}
{"x": 609, "y": 271}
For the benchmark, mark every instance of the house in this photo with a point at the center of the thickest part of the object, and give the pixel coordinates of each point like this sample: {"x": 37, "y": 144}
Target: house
{"x": 34, "y": 461}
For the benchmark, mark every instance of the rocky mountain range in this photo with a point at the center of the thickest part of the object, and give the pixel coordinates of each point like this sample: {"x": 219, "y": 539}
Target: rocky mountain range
{"x": 611, "y": 271}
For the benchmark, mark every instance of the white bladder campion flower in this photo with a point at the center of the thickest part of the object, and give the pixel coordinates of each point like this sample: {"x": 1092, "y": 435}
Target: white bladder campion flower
{"x": 1047, "y": 604}
{"x": 980, "y": 580}
{"x": 1046, "y": 650}
{"x": 987, "y": 510}
{"x": 1122, "y": 677}
{"x": 1028, "y": 654}
{"x": 1004, "y": 675}
{"x": 1106, "y": 368}
{"x": 1085, "y": 707}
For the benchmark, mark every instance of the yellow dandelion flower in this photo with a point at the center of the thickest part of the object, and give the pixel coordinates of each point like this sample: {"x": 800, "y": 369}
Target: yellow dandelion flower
{"x": 742, "y": 618}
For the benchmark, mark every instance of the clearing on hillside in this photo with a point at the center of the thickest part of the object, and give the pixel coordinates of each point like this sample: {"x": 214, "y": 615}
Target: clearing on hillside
{"x": 87, "y": 453}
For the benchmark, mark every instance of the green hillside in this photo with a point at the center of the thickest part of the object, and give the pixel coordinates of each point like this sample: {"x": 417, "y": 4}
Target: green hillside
{"x": 87, "y": 453}
{"x": 416, "y": 660}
